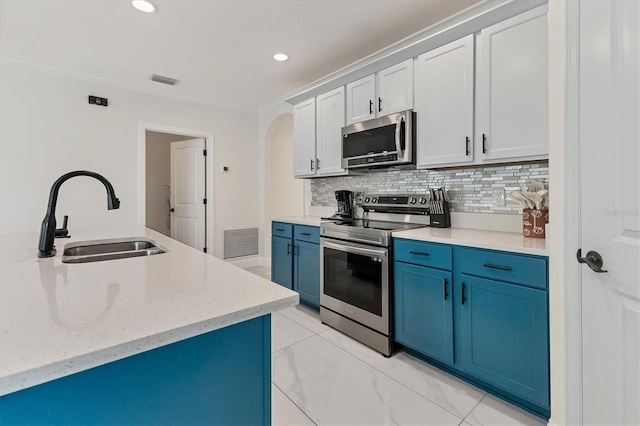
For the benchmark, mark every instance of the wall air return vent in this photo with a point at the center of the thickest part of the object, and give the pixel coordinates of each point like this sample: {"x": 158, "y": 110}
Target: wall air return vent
{"x": 240, "y": 242}
{"x": 164, "y": 80}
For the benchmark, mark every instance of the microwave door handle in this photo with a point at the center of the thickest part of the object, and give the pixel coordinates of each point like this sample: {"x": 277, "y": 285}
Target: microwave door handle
{"x": 356, "y": 250}
{"x": 398, "y": 127}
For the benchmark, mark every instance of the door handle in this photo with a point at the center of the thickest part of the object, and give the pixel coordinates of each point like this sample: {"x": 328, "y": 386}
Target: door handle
{"x": 172, "y": 210}
{"x": 370, "y": 107}
{"x": 467, "y": 152}
{"x": 484, "y": 143}
{"x": 311, "y": 164}
{"x": 593, "y": 259}
{"x": 288, "y": 248}
{"x": 445, "y": 290}
{"x": 379, "y": 104}
{"x": 464, "y": 299}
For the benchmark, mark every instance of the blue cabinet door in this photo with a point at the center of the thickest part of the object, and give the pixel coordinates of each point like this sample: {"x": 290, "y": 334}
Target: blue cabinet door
{"x": 424, "y": 310}
{"x": 502, "y": 336}
{"x": 281, "y": 261}
{"x": 307, "y": 272}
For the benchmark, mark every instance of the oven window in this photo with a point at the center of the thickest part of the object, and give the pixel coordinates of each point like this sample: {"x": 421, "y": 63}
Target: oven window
{"x": 354, "y": 279}
{"x": 376, "y": 141}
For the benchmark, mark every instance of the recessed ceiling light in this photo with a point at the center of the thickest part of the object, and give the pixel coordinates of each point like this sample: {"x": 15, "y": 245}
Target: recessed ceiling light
{"x": 280, "y": 57}
{"x": 144, "y": 6}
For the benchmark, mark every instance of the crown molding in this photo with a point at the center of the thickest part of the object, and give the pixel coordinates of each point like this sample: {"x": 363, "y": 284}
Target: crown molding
{"x": 108, "y": 80}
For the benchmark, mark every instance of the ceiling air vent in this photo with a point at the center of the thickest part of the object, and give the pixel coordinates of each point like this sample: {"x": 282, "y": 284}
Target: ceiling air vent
{"x": 164, "y": 80}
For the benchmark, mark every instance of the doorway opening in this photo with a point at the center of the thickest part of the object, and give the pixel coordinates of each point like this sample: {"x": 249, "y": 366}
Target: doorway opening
{"x": 175, "y": 185}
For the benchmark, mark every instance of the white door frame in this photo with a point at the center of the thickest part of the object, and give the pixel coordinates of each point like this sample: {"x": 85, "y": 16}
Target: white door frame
{"x": 572, "y": 219}
{"x": 142, "y": 167}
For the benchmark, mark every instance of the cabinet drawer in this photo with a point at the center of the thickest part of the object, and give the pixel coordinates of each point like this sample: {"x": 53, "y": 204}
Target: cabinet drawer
{"x": 307, "y": 233}
{"x": 282, "y": 229}
{"x": 420, "y": 253}
{"x": 514, "y": 268}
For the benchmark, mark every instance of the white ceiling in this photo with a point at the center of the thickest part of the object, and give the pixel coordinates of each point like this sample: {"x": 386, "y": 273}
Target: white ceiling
{"x": 220, "y": 50}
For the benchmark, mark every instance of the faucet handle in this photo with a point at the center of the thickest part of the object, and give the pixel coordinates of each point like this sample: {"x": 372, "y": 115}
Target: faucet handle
{"x": 63, "y": 232}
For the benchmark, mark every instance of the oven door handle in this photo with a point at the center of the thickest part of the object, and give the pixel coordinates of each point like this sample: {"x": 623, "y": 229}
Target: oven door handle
{"x": 398, "y": 134}
{"x": 355, "y": 250}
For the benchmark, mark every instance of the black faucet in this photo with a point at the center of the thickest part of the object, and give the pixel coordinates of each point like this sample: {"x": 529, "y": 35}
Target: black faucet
{"x": 48, "y": 230}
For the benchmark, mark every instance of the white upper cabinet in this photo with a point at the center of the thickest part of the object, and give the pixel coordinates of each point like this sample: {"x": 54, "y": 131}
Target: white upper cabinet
{"x": 512, "y": 100}
{"x": 317, "y": 135}
{"x": 444, "y": 105}
{"x": 360, "y": 99}
{"x": 395, "y": 88}
{"x": 388, "y": 91}
{"x": 304, "y": 138}
{"x": 329, "y": 123}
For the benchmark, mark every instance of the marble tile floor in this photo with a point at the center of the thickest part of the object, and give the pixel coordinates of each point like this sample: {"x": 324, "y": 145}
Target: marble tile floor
{"x": 322, "y": 377}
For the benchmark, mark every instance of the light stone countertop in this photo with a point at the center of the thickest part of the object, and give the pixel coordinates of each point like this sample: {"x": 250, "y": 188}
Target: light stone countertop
{"x": 301, "y": 220}
{"x": 494, "y": 240}
{"x": 57, "y": 319}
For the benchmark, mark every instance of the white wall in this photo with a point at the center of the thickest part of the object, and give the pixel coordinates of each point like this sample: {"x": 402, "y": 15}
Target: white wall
{"x": 281, "y": 194}
{"x": 47, "y": 128}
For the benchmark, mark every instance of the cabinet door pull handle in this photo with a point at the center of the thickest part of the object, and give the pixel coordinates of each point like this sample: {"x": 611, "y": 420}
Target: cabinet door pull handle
{"x": 280, "y": 229}
{"x": 467, "y": 146}
{"x": 464, "y": 287}
{"x": 288, "y": 248}
{"x": 504, "y": 268}
{"x": 311, "y": 164}
{"x": 379, "y": 104}
{"x": 306, "y": 234}
{"x": 419, "y": 253}
{"x": 445, "y": 290}
{"x": 370, "y": 107}
{"x": 484, "y": 143}
{"x": 317, "y": 164}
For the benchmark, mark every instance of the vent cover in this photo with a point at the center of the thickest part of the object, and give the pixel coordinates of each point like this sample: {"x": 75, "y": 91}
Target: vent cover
{"x": 240, "y": 242}
{"x": 164, "y": 80}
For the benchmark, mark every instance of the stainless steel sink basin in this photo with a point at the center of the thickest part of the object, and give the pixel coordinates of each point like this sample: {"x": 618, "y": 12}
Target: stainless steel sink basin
{"x": 116, "y": 248}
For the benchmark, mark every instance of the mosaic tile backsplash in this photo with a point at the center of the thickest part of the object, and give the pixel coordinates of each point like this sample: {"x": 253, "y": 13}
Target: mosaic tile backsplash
{"x": 470, "y": 190}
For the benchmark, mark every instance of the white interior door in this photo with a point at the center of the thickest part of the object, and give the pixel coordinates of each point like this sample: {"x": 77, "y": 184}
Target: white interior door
{"x": 188, "y": 192}
{"x": 610, "y": 157}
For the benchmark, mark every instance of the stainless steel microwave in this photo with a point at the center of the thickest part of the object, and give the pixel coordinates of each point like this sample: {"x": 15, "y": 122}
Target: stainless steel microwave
{"x": 384, "y": 141}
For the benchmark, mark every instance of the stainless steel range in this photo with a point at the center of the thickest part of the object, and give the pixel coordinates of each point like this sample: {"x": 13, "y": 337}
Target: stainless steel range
{"x": 356, "y": 274}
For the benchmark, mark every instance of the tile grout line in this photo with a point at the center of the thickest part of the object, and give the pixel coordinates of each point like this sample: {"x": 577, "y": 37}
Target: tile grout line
{"x": 296, "y": 405}
{"x": 391, "y": 378}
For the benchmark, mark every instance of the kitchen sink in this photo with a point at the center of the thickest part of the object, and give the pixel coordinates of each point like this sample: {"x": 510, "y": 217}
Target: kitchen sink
{"x": 115, "y": 248}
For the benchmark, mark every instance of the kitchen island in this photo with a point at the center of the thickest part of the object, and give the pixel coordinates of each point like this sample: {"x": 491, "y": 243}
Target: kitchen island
{"x": 174, "y": 338}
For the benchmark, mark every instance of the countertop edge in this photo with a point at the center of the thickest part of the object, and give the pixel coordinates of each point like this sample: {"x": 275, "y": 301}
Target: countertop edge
{"x": 511, "y": 248}
{"x": 26, "y": 379}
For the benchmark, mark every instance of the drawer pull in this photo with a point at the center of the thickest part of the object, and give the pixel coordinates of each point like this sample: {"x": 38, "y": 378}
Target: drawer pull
{"x": 445, "y": 290}
{"x": 419, "y": 253}
{"x": 306, "y": 234}
{"x": 463, "y": 289}
{"x": 279, "y": 229}
{"x": 504, "y": 268}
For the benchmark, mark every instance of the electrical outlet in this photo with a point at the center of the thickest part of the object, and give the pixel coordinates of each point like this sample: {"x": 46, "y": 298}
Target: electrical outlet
{"x": 498, "y": 197}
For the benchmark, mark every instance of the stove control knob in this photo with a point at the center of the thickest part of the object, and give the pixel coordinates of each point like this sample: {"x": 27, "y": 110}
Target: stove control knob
{"x": 374, "y": 200}
{"x": 366, "y": 200}
{"x": 412, "y": 200}
{"x": 423, "y": 200}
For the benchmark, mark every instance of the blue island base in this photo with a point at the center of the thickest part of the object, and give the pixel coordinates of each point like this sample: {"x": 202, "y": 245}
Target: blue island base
{"x": 219, "y": 378}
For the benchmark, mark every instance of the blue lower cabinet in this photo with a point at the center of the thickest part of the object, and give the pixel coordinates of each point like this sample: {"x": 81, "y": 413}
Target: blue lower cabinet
{"x": 306, "y": 272}
{"x": 282, "y": 261}
{"x": 295, "y": 260}
{"x": 479, "y": 314}
{"x": 219, "y": 378}
{"x": 424, "y": 310}
{"x": 502, "y": 332}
